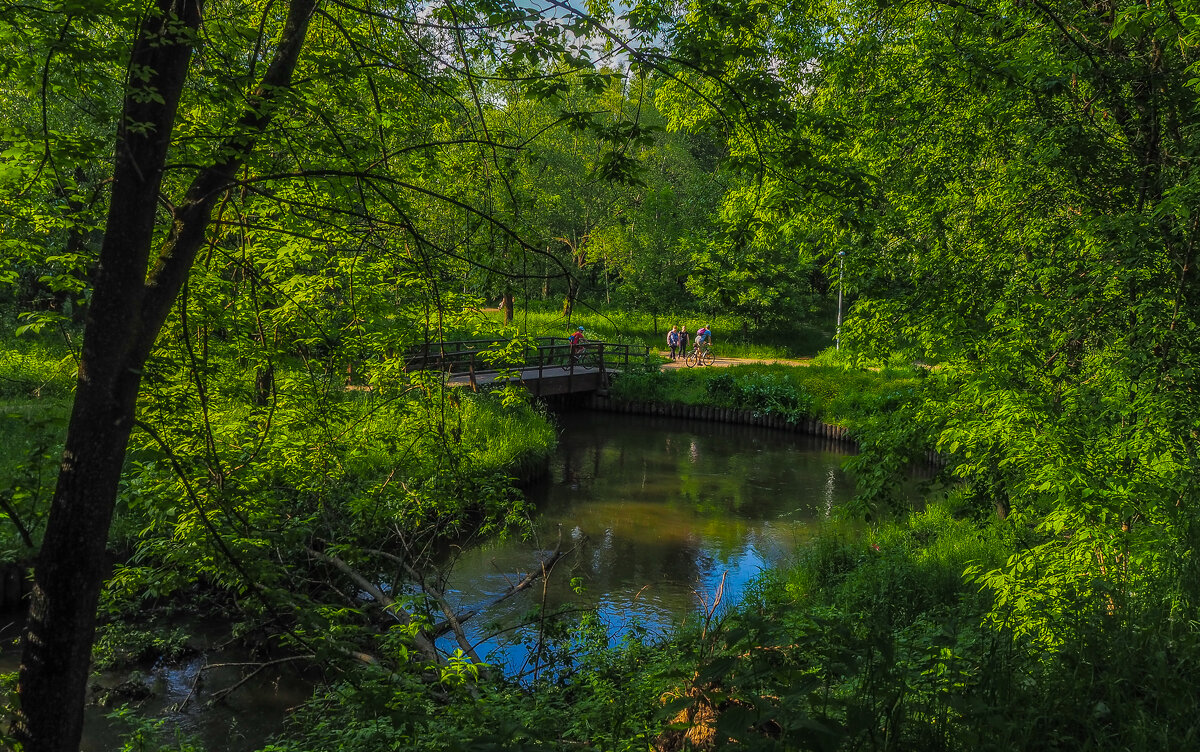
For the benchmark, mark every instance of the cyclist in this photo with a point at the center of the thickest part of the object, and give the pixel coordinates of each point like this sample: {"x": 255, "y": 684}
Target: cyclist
{"x": 577, "y": 341}
{"x": 703, "y": 339}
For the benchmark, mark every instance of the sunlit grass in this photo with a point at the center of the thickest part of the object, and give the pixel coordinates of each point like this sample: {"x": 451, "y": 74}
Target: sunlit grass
{"x": 35, "y": 367}
{"x": 839, "y": 394}
{"x": 734, "y": 336}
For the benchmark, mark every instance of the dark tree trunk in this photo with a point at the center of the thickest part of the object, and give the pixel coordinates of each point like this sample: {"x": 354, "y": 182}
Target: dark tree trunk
{"x": 124, "y": 318}
{"x": 264, "y": 384}
{"x": 569, "y": 300}
{"x": 69, "y": 568}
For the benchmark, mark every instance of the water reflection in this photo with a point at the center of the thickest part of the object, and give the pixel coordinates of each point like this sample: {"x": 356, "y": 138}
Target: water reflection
{"x": 655, "y": 512}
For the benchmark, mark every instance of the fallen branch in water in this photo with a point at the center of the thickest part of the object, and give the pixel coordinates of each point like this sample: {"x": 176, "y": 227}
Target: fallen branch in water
{"x": 421, "y": 641}
{"x": 454, "y": 621}
{"x": 222, "y": 694}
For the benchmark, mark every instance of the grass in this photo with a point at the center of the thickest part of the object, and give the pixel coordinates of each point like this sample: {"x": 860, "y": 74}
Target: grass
{"x": 33, "y": 368}
{"x": 512, "y": 437}
{"x": 735, "y": 336}
{"x": 838, "y": 394}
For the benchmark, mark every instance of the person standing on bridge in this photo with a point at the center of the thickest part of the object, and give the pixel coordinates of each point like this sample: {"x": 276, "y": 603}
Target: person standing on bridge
{"x": 673, "y": 341}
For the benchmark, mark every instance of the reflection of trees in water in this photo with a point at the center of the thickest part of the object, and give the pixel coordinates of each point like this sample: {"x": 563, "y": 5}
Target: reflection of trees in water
{"x": 647, "y": 491}
{"x": 714, "y": 469}
{"x": 608, "y": 560}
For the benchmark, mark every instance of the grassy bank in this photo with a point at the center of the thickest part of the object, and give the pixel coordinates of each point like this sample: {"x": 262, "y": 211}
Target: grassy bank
{"x": 883, "y": 640}
{"x": 735, "y": 336}
{"x": 834, "y": 393}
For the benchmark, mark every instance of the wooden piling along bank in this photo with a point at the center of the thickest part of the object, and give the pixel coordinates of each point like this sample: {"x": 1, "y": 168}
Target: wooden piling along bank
{"x": 714, "y": 414}
{"x": 711, "y": 413}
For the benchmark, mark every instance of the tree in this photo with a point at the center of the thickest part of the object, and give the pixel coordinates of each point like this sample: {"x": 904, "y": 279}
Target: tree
{"x": 127, "y": 311}
{"x": 1024, "y": 223}
{"x": 252, "y": 216}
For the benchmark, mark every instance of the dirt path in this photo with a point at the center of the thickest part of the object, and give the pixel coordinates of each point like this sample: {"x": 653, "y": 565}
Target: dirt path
{"x": 726, "y": 362}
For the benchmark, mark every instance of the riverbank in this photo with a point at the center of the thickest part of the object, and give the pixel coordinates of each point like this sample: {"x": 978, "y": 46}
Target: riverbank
{"x": 717, "y": 414}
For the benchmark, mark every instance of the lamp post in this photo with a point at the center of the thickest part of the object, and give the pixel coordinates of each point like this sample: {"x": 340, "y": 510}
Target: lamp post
{"x": 837, "y": 337}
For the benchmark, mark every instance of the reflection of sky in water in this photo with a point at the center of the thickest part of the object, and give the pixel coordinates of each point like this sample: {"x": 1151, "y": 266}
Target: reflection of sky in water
{"x": 654, "y": 512}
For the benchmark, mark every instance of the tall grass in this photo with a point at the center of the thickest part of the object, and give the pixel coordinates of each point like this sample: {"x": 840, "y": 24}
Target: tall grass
{"x": 512, "y": 438}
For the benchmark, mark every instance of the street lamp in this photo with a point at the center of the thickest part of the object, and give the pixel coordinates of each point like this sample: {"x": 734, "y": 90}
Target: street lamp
{"x": 837, "y": 337}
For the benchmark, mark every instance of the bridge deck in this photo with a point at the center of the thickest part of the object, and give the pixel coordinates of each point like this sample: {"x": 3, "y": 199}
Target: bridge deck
{"x": 539, "y": 382}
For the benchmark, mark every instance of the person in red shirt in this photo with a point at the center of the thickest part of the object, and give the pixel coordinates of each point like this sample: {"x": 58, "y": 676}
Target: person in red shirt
{"x": 576, "y": 341}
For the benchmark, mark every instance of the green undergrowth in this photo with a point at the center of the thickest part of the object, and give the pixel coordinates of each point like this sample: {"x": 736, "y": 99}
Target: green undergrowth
{"x": 37, "y": 378}
{"x": 33, "y": 435}
{"x": 355, "y": 479}
{"x": 608, "y": 700}
{"x": 878, "y": 640}
{"x": 35, "y": 367}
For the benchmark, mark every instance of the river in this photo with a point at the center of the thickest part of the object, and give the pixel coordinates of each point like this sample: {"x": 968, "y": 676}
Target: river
{"x": 657, "y": 514}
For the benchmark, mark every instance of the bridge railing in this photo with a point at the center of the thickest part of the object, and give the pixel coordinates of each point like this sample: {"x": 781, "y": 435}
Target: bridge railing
{"x": 479, "y": 356}
{"x": 465, "y": 354}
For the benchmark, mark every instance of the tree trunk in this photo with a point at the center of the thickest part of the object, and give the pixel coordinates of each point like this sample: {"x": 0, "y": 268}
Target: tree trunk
{"x": 126, "y": 313}
{"x": 508, "y": 307}
{"x": 69, "y": 568}
{"x": 264, "y": 384}
{"x": 569, "y": 300}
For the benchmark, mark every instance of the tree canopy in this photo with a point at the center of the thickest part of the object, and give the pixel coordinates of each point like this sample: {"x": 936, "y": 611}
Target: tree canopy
{"x": 232, "y": 210}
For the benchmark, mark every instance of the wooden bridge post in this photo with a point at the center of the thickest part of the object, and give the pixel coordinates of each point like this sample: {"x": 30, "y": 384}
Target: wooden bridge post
{"x": 541, "y": 358}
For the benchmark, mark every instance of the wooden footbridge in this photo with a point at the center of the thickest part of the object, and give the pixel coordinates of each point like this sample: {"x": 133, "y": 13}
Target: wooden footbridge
{"x": 545, "y": 366}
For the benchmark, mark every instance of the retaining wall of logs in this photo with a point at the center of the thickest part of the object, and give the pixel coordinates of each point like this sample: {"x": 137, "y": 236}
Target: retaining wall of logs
{"x": 809, "y": 426}
{"x": 711, "y": 413}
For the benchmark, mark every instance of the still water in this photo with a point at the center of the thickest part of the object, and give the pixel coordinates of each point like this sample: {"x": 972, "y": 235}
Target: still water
{"x": 656, "y": 513}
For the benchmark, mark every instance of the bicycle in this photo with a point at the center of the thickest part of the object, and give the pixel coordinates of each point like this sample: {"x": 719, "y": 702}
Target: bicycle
{"x": 583, "y": 355}
{"x": 700, "y": 355}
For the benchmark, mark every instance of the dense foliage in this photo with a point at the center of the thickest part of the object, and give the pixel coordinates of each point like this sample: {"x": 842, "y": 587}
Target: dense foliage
{"x": 233, "y": 220}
